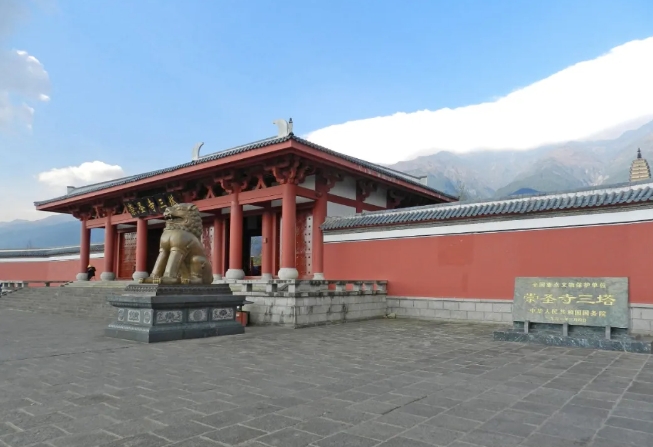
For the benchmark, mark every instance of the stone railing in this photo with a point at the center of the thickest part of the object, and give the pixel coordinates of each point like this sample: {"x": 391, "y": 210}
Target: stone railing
{"x": 311, "y": 287}
{"x": 7, "y": 286}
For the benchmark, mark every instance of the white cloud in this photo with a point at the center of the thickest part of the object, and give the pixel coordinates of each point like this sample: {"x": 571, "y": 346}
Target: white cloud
{"x": 23, "y": 79}
{"x": 575, "y": 103}
{"x": 84, "y": 174}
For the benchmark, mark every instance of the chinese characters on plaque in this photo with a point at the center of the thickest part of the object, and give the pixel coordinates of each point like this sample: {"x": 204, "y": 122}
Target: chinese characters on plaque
{"x": 150, "y": 206}
{"x": 576, "y": 301}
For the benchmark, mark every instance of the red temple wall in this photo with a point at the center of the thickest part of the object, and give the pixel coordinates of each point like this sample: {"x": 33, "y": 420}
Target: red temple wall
{"x": 46, "y": 270}
{"x": 485, "y": 265}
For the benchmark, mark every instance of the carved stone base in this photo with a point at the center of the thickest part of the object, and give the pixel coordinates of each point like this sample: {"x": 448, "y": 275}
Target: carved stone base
{"x": 235, "y": 274}
{"x": 136, "y": 276}
{"x": 107, "y": 276}
{"x": 151, "y": 313}
{"x": 82, "y": 277}
{"x": 288, "y": 273}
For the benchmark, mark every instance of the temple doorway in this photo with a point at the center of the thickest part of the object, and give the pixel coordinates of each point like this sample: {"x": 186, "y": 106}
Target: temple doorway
{"x": 153, "y": 239}
{"x": 252, "y": 245}
{"x": 126, "y": 254}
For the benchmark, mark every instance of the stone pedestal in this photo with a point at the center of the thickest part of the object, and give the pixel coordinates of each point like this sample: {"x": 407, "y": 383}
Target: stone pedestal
{"x": 576, "y": 337}
{"x": 288, "y": 273}
{"x": 235, "y": 274}
{"x": 151, "y": 313}
{"x": 139, "y": 275}
{"x": 107, "y": 276}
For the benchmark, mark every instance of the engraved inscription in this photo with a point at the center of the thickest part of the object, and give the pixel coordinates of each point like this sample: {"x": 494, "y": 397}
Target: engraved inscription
{"x": 196, "y": 315}
{"x": 223, "y": 314}
{"x": 134, "y": 316}
{"x": 579, "y": 301}
{"x": 168, "y": 316}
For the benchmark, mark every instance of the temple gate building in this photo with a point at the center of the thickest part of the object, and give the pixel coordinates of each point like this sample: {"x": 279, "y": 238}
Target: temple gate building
{"x": 274, "y": 193}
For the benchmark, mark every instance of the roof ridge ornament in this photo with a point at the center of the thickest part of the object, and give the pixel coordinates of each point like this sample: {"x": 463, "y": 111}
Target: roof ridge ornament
{"x": 284, "y": 127}
{"x": 196, "y": 151}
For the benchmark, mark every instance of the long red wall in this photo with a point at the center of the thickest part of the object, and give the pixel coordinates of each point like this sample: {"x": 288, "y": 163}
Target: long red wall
{"x": 45, "y": 270}
{"x": 485, "y": 265}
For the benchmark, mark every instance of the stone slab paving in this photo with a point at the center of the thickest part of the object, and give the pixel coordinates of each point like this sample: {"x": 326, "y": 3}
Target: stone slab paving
{"x": 385, "y": 383}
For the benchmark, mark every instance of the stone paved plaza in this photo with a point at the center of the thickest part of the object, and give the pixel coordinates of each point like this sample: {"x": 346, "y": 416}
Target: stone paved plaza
{"x": 386, "y": 383}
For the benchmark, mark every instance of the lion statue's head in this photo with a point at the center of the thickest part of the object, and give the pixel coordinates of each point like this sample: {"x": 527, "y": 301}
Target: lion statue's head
{"x": 184, "y": 216}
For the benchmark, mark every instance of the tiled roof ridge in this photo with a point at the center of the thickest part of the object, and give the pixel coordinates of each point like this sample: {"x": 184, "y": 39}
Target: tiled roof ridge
{"x": 47, "y": 252}
{"x": 239, "y": 149}
{"x": 604, "y": 195}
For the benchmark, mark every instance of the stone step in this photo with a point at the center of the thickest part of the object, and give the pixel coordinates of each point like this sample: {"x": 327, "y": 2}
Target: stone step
{"x": 65, "y": 292}
{"x": 66, "y": 300}
{"x": 98, "y": 284}
{"x": 81, "y": 302}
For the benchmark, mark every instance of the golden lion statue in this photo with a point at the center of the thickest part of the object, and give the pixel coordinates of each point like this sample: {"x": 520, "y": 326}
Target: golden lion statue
{"x": 181, "y": 259}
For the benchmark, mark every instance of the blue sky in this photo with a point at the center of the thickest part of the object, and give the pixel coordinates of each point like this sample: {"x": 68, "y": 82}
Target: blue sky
{"x": 138, "y": 83}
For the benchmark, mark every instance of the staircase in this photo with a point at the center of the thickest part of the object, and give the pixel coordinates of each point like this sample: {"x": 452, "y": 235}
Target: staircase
{"x": 78, "y": 299}
{"x": 119, "y": 285}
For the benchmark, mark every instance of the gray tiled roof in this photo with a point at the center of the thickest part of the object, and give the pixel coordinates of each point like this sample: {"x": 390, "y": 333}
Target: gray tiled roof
{"x": 240, "y": 149}
{"x": 595, "y": 197}
{"x": 47, "y": 252}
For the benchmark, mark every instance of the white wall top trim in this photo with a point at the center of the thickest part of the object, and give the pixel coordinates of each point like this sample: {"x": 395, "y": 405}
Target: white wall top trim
{"x": 50, "y": 259}
{"x": 489, "y": 300}
{"x": 462, "y": 300}
{"x": 539, "y": 223}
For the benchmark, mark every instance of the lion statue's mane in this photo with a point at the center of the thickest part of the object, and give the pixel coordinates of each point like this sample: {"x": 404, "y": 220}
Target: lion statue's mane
{"x": 192, "y": 222}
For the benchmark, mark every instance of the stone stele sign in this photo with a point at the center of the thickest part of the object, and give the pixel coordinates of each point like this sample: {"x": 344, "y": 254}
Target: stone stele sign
{"x": 576, "y": 301}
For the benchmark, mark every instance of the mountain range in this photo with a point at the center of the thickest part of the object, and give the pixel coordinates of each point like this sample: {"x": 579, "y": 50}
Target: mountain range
{"x": 492, "y": 173}
{"x": 473, "y": 175}
{"x": 59, "y": 230}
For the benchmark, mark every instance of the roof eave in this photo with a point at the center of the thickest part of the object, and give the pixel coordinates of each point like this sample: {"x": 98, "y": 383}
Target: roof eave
{"x": 206, "y": 164}
{"x": 415, "y": 187}
{"x": 245, "y": 152}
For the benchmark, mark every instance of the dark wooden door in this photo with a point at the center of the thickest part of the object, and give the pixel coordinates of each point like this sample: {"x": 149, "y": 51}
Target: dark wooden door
{"x": 153, "y": 240}
{"x": 127, "y": 253}
{"x": 304, "y": 243}
{"x": 207, "y": 239}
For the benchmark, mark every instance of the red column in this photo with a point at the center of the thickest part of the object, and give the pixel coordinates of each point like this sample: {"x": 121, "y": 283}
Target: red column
{"x": 288, "y": 225}
{"x": 109, "y": 246}
{"x": 274, "y": 241}
{"x": 216, "y": 250}
{"x": 266, "y": 255}
{"x": 319, "y": 215}
{"x": 141, "y": 250}
{"x": 235, "y": 240}
{"x": 84, "y": 251}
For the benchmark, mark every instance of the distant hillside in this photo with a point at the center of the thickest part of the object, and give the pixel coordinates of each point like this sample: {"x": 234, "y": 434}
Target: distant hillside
{"x": 53, "y": 231}
{"x": 524, "y": 191}
{"x": 571, "y": 165}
